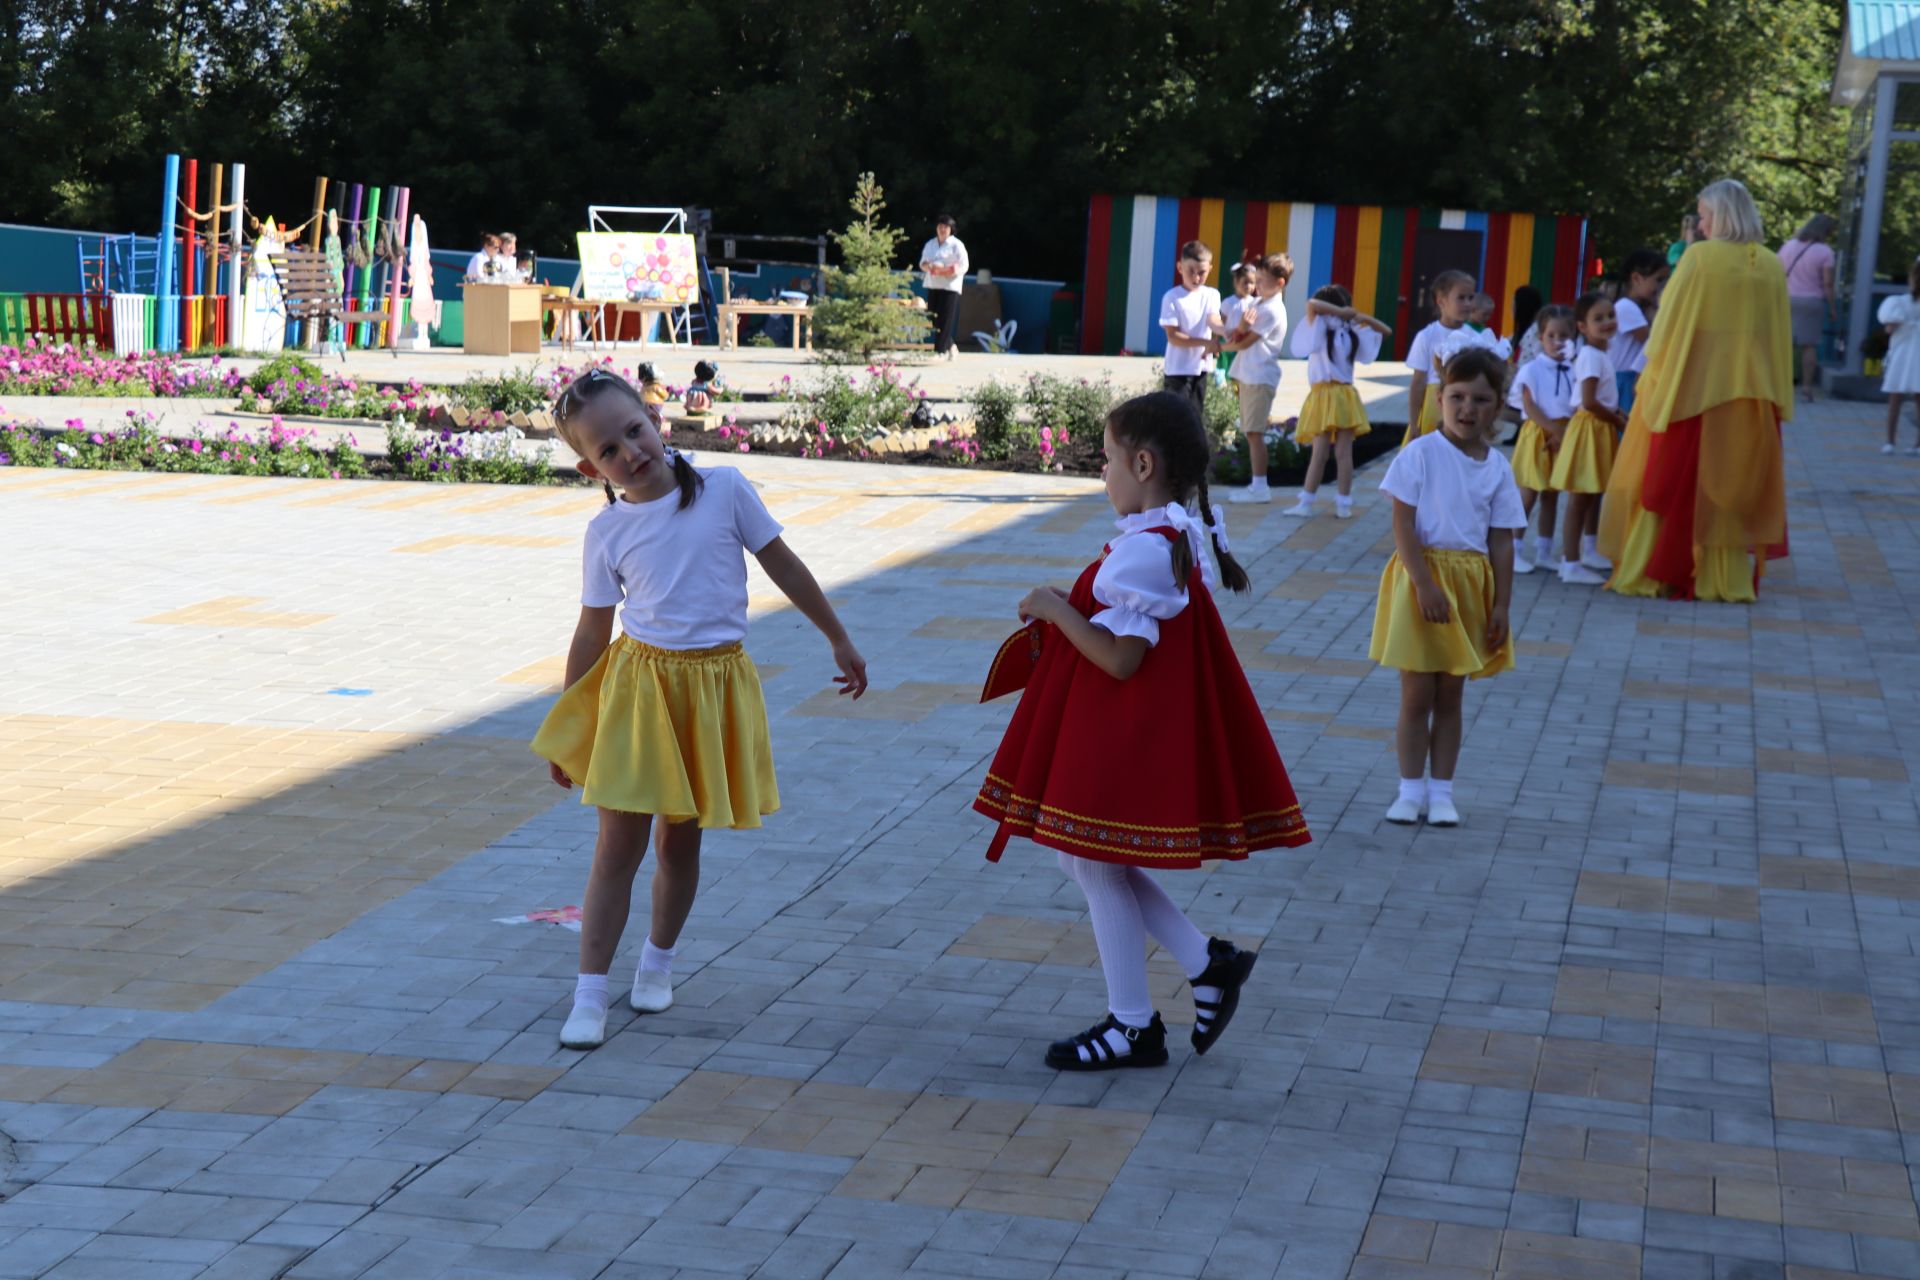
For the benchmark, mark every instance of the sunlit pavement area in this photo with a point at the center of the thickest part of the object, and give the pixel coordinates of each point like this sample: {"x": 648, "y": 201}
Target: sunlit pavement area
{"x": 271, "y": 1002}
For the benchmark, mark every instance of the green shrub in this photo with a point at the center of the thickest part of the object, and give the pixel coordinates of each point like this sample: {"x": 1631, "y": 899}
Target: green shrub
{"x": 288, "y": 370}
{"x": 138, "y": 446}
{"x": 445, "y": 455}
{"x": 516, "y": 391}
{"x": 996, "y": 420}
{"x": 853, "y": 409}
{"x": 1078, "y": 406}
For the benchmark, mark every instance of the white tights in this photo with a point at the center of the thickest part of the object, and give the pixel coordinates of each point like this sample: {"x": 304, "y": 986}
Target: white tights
{"x": 1126, "y": 904}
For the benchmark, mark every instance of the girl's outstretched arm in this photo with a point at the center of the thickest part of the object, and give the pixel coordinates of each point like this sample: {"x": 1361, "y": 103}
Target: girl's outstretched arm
{"x": 1118, "y": 656}
{"x": 591, "y": 635}
{"x": 796, "y": 584}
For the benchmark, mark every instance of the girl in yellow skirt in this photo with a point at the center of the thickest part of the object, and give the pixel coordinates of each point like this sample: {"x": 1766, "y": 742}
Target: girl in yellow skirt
{"x": 668, "y": 720}
{"x": 1543, "y": 392}
{"x": 1441, "y": 616}
{"x": 1454, "y": 294}
{"x": 1333, "y": 340}
{"x": 1585, "y": 460}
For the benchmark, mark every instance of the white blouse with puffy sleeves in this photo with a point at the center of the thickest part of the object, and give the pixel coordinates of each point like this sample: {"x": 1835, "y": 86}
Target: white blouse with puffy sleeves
{"x": 1135, "y": 584}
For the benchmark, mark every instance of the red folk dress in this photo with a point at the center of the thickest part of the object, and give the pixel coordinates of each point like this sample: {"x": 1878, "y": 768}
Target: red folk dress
{"x": 1171, "y": 768}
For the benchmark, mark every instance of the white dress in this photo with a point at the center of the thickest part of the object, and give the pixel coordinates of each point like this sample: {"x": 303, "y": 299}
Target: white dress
{"x": 1900, "y": 375}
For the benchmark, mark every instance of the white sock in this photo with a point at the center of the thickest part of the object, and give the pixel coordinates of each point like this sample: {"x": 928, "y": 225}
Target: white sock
{"x": 1543, "y": 549}
{"x": 1414, "y": 789}
{"x": 1589, "y": 543}
{"x": 1258, "y": 484}
{"x": 656, "y": 959}
{"x": 590, "y": 991}
{"x": 1306, "y": 497}
{"x": 1343, "y": 500}
{"x": 1120, "y": 933}
{"x": 1439, "y": 789}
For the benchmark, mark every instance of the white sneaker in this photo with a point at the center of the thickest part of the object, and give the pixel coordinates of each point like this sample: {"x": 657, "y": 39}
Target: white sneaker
{"x": 586, "y": 1028}
{"x": 1250, "y": 494}
{"x": 1404, "y": 812}
{"x": 1913, "y": 451}
{"x": 1304, "y": 507}
{"x": 1574, "y": 572}
{"x": 1887, "y": 448}
{"x": 1596, "y": 562}
{"x": 652, "y": 991}
{"x": 1441, "y": 813}
{"x": 1520, "y": 562}
{"x": 1343, "y": 511}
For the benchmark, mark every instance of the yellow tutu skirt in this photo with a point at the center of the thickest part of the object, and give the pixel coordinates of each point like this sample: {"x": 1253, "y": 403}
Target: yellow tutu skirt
{"x": 681, "y": 733}
{"x": 1429, "y": 414}
{"x": 1532, "y": 461}
{"x": 1330, "y": 407}
{"x": 1404, "y": 639}
{"x": 1585, "y": 460}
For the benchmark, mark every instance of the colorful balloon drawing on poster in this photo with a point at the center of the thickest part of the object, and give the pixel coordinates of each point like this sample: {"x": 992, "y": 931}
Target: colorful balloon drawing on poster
{"x": 646, "y": 265}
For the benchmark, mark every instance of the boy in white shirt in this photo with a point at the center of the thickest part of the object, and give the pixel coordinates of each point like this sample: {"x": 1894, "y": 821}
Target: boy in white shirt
{"x": 1258, "y": 337}
{"x": 1645, "y": 273}
{"x": 1190, "y": 315}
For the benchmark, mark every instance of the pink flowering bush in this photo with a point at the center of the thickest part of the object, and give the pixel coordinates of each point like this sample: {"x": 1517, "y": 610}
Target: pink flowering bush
{"x": 42, "y": 367}
{"x": 853, "y": 408}
{"x": 138, "y": 445}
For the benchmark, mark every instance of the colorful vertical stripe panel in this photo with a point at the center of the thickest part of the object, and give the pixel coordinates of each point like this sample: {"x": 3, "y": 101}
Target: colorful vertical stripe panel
{"x": 1134, "y": 241}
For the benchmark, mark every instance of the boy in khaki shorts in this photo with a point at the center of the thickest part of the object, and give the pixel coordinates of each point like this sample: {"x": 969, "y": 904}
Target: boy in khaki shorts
{"x": 1256, "y": 368}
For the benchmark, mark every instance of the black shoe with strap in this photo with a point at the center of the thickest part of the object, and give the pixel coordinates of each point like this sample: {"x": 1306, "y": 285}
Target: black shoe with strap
{"x": 1146, "y": 1047}
{"x": 1227, "y": 970}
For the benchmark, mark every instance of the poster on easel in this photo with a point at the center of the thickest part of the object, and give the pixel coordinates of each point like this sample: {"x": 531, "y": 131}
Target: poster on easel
{"x": 645, "y": 265}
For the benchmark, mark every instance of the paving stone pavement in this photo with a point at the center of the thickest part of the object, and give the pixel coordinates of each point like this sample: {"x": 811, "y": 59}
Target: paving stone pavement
{"x": 265, "y": 801}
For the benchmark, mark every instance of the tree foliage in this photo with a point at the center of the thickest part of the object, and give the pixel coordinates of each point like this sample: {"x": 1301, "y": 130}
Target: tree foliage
{"x": 519, "y": 113}
{"x": 862, "y": 311}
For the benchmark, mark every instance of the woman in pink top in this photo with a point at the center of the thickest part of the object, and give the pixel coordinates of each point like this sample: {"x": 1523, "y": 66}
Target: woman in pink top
{"x": 1808, "y": 260}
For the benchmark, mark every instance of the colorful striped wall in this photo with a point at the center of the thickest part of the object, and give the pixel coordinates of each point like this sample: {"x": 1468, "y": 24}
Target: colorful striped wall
{"x": 1132, "y": 242}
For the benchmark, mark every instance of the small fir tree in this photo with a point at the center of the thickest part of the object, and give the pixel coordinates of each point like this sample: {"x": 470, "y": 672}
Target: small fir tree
{"x": 864, "y": 310}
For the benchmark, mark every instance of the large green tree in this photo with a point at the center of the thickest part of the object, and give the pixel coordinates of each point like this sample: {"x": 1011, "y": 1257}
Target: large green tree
{"x": 518, "y": 113}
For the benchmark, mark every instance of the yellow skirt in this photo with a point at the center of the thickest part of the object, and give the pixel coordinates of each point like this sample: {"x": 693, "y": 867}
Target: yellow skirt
{"x": 1585, "y": 460}
{"x": 1532, "y": 461}
{"x": 1722, "y": 574}
{"x": 681, "y": 733}
{"x": 1429, "y": 414}
{"x": 1330, "y": 407}
{"x": 1458, "y": 647}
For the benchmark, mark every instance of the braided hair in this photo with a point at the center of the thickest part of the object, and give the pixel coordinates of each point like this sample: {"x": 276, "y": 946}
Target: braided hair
{"x": 1168, "y": 425}
{"x": 593, "y": 383}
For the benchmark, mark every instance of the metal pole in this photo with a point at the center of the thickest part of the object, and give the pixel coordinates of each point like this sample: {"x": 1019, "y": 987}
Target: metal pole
{"x": 164, "y": 302}
{"x": 1867, "y": 250}
{"x": 236, "y": 330}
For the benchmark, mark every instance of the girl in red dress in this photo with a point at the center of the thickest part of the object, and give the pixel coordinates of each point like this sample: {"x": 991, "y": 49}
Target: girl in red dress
{"x": 1135, "y": 665}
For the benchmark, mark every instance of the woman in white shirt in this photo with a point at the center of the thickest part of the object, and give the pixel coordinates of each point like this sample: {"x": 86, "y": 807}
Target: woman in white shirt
{"x": 944, "y": 259}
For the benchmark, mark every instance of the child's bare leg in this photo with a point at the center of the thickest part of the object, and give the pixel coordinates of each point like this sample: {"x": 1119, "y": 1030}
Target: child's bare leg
{"x": 1316, "y": 466}
{"x": 676, "y": 879}
{"x": 1549, "y": 512}
{"x": 1445, "y": 739}
{"x": 1591, "y": 526}
{"x": 1411, "y": 739}
{"x": 1577, "y": 504}
{"x": 1257, "y": 453}
{"x": 1894, "y": 404}
{"x": 616, "y": 857}
{"x": 1343, "y": 461}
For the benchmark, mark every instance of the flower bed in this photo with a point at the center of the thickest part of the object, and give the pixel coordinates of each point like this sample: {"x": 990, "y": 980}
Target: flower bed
{"x": 41, "y": 367}
{"x": 278, "y": 450}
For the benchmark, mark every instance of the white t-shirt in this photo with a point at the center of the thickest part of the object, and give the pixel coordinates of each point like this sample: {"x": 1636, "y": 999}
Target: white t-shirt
{"x": 1259, "y": 364}
{"x": 1188, "y": 310}
{"x": 1135, "y": 582}
{"x": 950, "y": 254}
{"x": 1455, "y": 499}
{"x": 477, "y": 265}
{"x": 1352, "y": 344}
{"x": 1550, "y": 381}
{"x": 1594, "y": 363}
{"x": 681, "y": 575}
{"x": 1628, "y": 353}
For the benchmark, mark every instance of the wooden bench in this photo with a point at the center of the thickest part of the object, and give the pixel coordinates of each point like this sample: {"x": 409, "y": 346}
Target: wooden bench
{"x": 310, "y": 294}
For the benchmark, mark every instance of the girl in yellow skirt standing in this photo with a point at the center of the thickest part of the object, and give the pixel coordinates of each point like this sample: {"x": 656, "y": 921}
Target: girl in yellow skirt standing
{"x": 1543, "y": 392}
{"x": 1585, "y": 460}
{"x": 1441, "y": 616}
{"x": 1333, "y": 340}
{"x": 668, "y": 720}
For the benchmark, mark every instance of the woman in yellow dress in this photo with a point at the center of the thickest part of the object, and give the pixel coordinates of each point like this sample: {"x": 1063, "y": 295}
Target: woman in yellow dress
{"x": 1697, "y": 502}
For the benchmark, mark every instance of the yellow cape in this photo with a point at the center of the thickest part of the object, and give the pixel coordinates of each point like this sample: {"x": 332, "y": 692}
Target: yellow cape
{"x": 1721, "y": 352}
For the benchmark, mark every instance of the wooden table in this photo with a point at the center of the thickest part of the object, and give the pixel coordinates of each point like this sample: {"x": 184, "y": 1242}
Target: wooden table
{"x": 503, "y": 319}
{"x": 644, "y": 307}
{"x": 567, "y": 307}
{"x": 730, "y": 313}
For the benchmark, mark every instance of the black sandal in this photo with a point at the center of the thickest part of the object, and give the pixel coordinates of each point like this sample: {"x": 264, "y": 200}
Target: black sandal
{"x": 1148, "y": 1047}
{"x": 1227, "y": 968}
